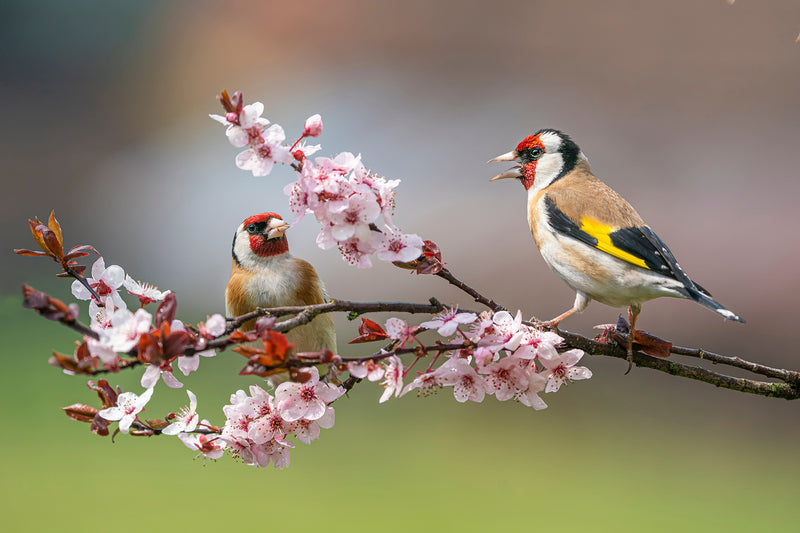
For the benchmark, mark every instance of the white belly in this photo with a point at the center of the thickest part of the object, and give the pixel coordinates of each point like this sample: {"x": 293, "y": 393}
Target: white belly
{"x": 601, "y": 276}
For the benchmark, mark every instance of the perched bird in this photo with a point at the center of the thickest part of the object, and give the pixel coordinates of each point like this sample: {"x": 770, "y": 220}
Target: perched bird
{"x": 591, "y": 237}
{"x": 265, "y": 274}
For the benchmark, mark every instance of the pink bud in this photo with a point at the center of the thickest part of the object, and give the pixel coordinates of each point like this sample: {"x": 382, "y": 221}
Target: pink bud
{"x": 313, "y": 126}
{"x": 232, "y": 117}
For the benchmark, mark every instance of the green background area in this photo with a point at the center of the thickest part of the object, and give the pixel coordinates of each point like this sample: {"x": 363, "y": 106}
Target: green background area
{"x": 591, "y": 460}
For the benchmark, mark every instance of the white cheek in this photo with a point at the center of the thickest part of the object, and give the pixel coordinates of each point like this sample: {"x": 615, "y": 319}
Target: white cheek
{"x": 547, "y": 169}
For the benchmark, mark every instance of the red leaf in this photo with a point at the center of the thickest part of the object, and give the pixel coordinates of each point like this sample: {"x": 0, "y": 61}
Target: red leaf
{"x": 369, "y": 331}
{"x": 80, "y": 412}
{"x": 166, "y": 311}
{"x": 29, "y": 253}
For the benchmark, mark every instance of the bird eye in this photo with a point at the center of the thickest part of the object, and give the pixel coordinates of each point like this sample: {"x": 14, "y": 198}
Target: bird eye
{"x": 251, "y": 228}
{"x": 536, "y": 152}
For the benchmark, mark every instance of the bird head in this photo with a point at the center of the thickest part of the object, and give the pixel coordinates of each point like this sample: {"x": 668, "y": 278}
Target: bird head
{"x": 543, "y": 157}
{"x": 258, "y": 237}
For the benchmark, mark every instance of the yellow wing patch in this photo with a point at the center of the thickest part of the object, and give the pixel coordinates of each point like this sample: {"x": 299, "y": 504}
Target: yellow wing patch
{"x": 602, "y": 233}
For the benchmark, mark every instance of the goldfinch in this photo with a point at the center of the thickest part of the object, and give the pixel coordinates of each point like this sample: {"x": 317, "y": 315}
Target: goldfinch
{"x": 265, "y": 274}
{"x": 591, "y": 237}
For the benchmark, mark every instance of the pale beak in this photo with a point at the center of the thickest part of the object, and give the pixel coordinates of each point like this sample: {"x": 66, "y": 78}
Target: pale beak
{"x": 510, "y": 156}
{"x": 276, "y": 228}
{"x": 511, "y": 172}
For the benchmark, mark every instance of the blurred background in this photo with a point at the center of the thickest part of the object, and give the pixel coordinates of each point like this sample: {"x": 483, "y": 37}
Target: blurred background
{"x": 689, "y": 109}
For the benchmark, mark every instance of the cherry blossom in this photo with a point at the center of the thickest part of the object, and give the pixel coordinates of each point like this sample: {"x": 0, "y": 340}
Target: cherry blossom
{"x": 305, "y": 400}
{"x": 369, "y": 369}
{"x": 109, "y": 357}
{"x": 162, "y": 370}
{"x": 125, "y": 330}
{"x": 128, "y": 406}
{"x": 187, "y": 418}
{"x": 307, "y": 430}
{"x": 560, "y": 368}
{"x": 398, "y": 330}
{"x": 393, "y": 382}
{"x": 272, "y": 451}
{"x": 264, "y": 152}
{"x": 146, "y": 292}
{"x": 530, "y": 397}
{"x": 270, "y": 427}
{"x": 244, "y": 127}
{"x": 427, "y": 383}
{"x": 448, "y": 321}
{"x": 466, "y": 383}
{"x": 100, "y": 315}
{"x": 505, "y": 378}
{"x": 506, "y": 332}
{"x": 398, "y": 246}
{"x": 209, "y": 446}
{"x": 535, "y": 342}
{"x": 104, "y": 281}
{"x": 313, "y": 126}
{"x": 189, "y": 363}
{"x": 213, "y": 327}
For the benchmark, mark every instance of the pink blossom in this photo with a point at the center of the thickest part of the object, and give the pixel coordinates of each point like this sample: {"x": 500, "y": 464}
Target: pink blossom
{"x": 187, "y": 418}
{"x": 307, "y": 430}
{"x": 393, "y": 381}
{"x": 249, "y": 127}
{"x": 467, "y": 384}
{"x": 530, "y": 397}
{"x": 353, "y": 220}
{"x": 398, "y": 246}
{"x": 484, "y": 356}
{"x": 398, "y": 330}
{"x": 505, "y": 334}
{"x": 189, "y": 363}
{"x": 505, "y": 378}
{"x": 313, "y": 126}
{"x": 154, "y": 372}
{"x": 368, "y": 369}
{"x": 305, "y": 400}
{"x": 427, "y": 383}
{"x": 270, "y": 427}
{"x": 560, "y": 368}
{"x": 144, "y": 291}
{"x": 213, "y": 327}
{"x": 264, "y": 152}
{"x": 125, "y": 330}
{"x": 104, "y": 281}
{"x": 108, "y": 356}
{"x": 210, "y": 446}
{"x": 100, "y": 315}
{"x": 357, "y": 252}
{"x": 271, "y": 451}
{"x": 448, "y": 321}
{"x": 535, "y": 342}
{"x": 128, "y": 406}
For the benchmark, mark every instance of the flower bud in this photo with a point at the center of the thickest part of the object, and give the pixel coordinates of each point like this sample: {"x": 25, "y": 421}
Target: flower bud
{"x": 313, "y": 127}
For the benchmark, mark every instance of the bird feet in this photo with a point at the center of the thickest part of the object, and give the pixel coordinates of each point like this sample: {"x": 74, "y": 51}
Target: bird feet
{"x": 645, "y": 342}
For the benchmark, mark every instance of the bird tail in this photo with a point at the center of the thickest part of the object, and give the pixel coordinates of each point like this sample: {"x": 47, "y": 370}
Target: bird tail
{"x": 705, "y": 301}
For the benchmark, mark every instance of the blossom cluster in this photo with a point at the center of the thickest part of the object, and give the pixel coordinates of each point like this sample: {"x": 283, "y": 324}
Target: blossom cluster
{"x": 121, "y": 330}
{"x": 502, "y": 357}
{"x": 257, "y": 426}
{"x": 347, "y": 200}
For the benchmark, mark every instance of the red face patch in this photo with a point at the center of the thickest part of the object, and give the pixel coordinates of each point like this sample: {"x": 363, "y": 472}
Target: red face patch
{"x": 528, "y": 171}
{"x": 259, "y": 244}
{"x": 531, "y": 141}
{"x": 261, "y": 217}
